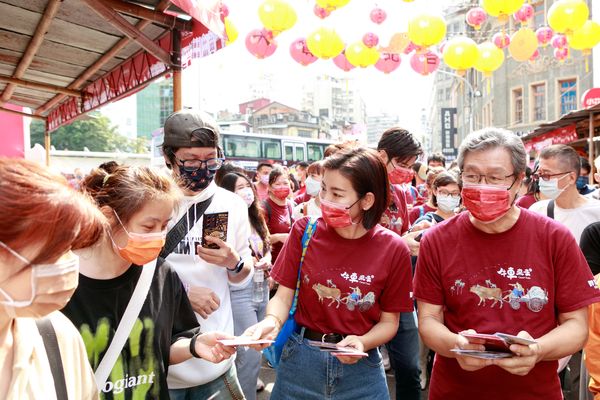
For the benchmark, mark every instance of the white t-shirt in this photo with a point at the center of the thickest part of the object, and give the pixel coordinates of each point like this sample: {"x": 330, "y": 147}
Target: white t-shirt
{"x": 312, "y": 210}
{"x": 575, "y": 219}
{"x": 194, "y": 271}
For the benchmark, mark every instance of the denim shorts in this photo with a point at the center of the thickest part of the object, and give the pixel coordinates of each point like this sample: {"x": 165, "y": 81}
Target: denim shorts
{"x": 305, "y": 373}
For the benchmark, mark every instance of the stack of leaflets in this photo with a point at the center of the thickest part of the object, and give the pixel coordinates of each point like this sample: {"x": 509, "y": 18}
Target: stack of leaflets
{"x": 496, "y": 345}
{"x": 336, "y": 350}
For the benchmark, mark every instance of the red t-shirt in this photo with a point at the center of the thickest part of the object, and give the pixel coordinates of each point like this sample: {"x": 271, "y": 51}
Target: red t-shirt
{"x": 418, "y": 212}
{"x": 302, "y": 198}
{"x": 534, "y": 271}
{"x": 262, "y": 191}
{"x": 395, "y": 218}
{"x": 346, "y": 283}
{"x": 526, "y": 201}
{"x": 279, "y": 220}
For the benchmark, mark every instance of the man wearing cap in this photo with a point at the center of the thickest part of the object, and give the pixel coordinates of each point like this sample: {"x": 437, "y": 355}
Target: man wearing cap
{"x": 191, "y": 151}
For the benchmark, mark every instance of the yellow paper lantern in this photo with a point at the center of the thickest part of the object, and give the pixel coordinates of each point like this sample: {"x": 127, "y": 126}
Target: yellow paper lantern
{"x": 460, "y": 53}
{"x": 360, "y": 55}
{"x": 523, "y": 44}
{"x": 490, "y": 58}
{"x": 566, "y": 16}
{"x": 332, "y": 4}
{"x": 426, "y": 30}
{"x": 501, "y": 8}
{"x": 277, "y": 15}
{"x": 325, "y": 43}
{"x": 585, "y": 38}
{"x": 231, "y": 31}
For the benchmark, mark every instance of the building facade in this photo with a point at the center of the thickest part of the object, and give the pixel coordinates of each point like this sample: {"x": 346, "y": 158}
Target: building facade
{"x": 154, "y": 105}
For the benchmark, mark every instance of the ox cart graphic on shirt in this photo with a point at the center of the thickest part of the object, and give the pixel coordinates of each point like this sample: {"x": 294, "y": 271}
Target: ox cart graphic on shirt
{"x": 535, "y": 297}
{"x": 352, "y": 300}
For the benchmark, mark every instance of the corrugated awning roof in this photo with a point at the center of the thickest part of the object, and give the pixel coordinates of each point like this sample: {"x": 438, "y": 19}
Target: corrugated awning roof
{"x": 572, "y": 118}
{"x": 74, "y": 55}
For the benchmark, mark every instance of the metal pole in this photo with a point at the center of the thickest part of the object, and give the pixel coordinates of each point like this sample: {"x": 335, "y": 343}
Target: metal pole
{"x": 591, "y": 152}
{"x": 176, "y": 61}
{"x": 471, "y": 94}
{"x": 47, "y": 143}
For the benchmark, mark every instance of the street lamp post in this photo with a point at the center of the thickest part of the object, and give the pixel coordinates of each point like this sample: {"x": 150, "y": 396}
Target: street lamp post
{"x": 472, "y": 93}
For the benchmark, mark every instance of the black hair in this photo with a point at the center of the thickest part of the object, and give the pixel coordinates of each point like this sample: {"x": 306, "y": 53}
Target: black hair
{"x": 399, "y": 143}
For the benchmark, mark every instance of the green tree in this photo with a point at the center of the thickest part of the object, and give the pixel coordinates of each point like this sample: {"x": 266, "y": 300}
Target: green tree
{"x": 93, "y": 131}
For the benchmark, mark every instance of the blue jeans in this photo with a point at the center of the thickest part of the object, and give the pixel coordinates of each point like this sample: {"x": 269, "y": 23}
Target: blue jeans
{"x": 245, "y": 314}
{"x": 404, "y": 357}
{"x": 225, "y": 387}
{"x": 306, "y": 373}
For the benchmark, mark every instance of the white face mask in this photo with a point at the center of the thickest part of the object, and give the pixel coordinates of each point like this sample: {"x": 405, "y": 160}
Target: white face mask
{"x": 550, "y": 187}
{"x": 52, "y": 286}
{"x": 247, "y": 195}
{"x": 447, "y": 203}
{"x": 264, "y": 179}
{"x": 313, "y": 186}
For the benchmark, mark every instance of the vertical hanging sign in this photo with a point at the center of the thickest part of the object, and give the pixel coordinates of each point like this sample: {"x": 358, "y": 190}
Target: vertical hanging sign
{"x": 449, "y": 132}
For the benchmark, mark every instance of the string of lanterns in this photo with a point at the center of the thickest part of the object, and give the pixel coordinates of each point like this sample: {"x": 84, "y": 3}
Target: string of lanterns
{"x": 569, "y": 28}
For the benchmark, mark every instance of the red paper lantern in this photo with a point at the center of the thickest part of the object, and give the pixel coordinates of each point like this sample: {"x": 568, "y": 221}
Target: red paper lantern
{"x": 501, "y": 40}
{"x": 476, "y": 17}
{"x": 300, "y": 52}
{"x": 260, "y": 43}
{"x": 425, "y": 63}
{"x": 410, "y": 48}
{"x": 321, "y": 12}
{"x": 378, "y": 15}
{"x": 561, "y": 54}
{"x": 388, "y": 62}
{"x": 544, "y": 35}
{"x": 559, "y": 41}
{"x": 342, "y": 62}
{"x": 524, "y": 14}
{"x": 370, "y": 39}
{"x": 535, "y": 55}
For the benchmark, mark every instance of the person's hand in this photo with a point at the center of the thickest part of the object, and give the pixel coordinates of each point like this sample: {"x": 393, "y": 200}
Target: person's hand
{"x": 526, "y": 357}
{"x": 422, "y": 225}
{"x": 267, "y": 329}
{"x": 224, "y": 256}
{"x": 279, "y": 237}
{"x": 354, "y": 342}
{"x": 413, "y": 245}
{"x": 211, "y": 350}
{"x": 204, "y": 301}
{"x": 470, "y": 363}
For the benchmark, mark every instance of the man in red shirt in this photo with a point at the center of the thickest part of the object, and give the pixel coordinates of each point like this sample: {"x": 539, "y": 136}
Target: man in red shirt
{"x": 500, "y": 268}
{"x": 262, "y": 180}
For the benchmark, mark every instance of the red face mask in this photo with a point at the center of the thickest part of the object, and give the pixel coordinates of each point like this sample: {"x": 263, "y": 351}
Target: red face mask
{"x": 336, "y": 215}
{"x": 282, "y": 193}
{"x": 485, "y": 202}
{"x": 401, "y": 175}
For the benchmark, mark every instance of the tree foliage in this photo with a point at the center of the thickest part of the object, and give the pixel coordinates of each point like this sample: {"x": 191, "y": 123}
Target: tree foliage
{"x": 93, "y": 132}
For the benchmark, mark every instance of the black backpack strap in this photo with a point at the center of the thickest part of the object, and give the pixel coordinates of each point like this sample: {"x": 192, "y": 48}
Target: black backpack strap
{"x": 54, "y": 359}
{"x": 178, "y": 232}
{"x": 267, "y": 208}
{"x": 550, "y": 209}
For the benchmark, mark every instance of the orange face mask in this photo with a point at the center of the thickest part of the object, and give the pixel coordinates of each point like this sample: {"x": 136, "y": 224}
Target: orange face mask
{"x": 141, "y": 248}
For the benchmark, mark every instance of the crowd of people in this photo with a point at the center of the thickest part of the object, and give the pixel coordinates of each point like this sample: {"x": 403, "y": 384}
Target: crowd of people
{"x": 129, "y": 282}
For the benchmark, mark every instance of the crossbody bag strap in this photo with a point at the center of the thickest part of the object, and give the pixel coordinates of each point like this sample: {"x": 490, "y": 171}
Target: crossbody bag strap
{"x": 48, "y": 335}
{"x": 550, "y": 209}
{"x": 126, "y": 324}
{"x": 181, "y": 228}
{"x": 311, "y": 227}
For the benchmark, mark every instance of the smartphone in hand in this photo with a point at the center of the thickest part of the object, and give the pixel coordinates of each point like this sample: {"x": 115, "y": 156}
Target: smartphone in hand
{"x": 214, "y": 225}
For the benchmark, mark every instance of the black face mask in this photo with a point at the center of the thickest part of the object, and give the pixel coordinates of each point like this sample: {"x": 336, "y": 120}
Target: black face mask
{"x": 198, "y": 180}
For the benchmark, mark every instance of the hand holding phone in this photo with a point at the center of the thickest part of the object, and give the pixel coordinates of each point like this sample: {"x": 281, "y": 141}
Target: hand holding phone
{"x": 214, "y": 225}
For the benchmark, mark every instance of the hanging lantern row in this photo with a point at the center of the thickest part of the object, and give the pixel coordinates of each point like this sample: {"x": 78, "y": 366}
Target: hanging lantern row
{"x": 568, "y": 19}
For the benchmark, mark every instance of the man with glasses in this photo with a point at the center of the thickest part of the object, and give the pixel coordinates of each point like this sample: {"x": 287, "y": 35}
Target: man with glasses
{"x": 500, "y": 268}
{"x": 557, "y": 176}
{"x": 191, "y": 150}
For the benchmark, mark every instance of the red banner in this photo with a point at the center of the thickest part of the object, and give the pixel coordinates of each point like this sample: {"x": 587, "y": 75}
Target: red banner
{"x": 563, "y": 135}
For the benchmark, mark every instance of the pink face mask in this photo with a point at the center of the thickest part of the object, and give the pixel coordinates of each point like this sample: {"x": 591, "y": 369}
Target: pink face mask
{"x": 486, "y": 202}
{"x": 336, "y": 215}
{"x": 401, "y": 175}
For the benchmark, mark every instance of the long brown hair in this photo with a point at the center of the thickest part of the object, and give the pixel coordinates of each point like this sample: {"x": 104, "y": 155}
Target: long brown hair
{"x": 38, "y": 207}
{"x": 126, "y": 189}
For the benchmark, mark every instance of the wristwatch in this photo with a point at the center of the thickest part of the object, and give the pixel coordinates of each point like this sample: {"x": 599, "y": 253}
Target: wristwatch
{"x": 238, "y": 267}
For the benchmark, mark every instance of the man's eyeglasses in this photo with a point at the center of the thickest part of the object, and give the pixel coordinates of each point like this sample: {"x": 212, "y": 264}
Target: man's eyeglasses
{"x": 212, "y": 164}
{"x": 493, "y": 179}
{"x": 547, "y": 177}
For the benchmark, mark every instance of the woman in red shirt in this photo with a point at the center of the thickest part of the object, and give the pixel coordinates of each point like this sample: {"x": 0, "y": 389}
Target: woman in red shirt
{"x": 278, "y": 210}
{"x": 355, "y": 281}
